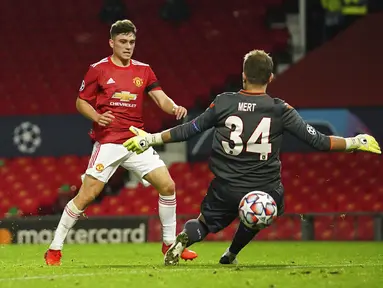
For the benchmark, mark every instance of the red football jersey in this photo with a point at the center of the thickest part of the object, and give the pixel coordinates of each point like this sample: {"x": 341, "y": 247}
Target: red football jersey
{"x": 108, "y": 87}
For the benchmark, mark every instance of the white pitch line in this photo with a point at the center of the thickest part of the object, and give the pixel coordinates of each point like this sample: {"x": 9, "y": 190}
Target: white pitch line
{"x": 185, "y": 268}
{"x": 53, "y": 276}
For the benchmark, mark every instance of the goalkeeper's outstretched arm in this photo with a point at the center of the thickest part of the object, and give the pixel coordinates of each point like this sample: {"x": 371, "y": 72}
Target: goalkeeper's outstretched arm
{"x": 180, "y": 133}
{"x": 294, "y": 124}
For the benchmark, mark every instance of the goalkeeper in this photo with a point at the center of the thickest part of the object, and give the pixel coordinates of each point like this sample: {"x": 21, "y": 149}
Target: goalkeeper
{"x": 249, "y": 127}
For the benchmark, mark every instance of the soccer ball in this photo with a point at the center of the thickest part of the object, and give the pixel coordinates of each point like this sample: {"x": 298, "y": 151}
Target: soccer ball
{"x": 257, "y": 210}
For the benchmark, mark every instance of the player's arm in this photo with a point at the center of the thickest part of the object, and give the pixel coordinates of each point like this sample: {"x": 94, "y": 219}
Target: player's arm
{"x": 87, "y": 95}
{"x": 295, "y": 124}
{"x": 183, "y": 132}
{"x": 160, "y": 98}
{"x": 167, "y": 104}
{"x": 180, "y": 133}
{"x": 86, "y": 109}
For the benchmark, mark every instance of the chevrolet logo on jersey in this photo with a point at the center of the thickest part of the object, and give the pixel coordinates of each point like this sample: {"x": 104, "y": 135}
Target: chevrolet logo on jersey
{"x": 125, "y": 96}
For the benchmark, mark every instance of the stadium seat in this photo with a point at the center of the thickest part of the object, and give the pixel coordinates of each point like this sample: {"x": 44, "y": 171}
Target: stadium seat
{"x": 345, "y": 228}
{"x": 285, "y": 227}
{"x": 324, "y": 228}
{"x": 321, "y": 187}
{"x": 365, "y": 228}
{"x": 45, "y": 81}
{"x": 95, "y": 210}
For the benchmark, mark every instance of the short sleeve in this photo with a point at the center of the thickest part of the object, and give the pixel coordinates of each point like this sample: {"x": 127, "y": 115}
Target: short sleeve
{"x": 89, "y": 85}
{"x": 152, "y": 81}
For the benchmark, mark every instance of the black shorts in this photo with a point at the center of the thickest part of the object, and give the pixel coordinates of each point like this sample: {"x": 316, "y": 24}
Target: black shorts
{"x": 220, "y": 206}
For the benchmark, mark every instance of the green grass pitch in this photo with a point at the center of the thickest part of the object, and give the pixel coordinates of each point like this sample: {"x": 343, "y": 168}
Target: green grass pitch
{"x": 262, "y": 264}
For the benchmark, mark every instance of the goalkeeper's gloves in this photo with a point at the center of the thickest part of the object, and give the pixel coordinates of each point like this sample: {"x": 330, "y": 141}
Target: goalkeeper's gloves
{"x": 363, "y": 142}
{"x": 142, "y": 141}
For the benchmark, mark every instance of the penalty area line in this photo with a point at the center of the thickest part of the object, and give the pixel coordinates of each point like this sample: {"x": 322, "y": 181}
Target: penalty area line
{"x": 44, "y": 277}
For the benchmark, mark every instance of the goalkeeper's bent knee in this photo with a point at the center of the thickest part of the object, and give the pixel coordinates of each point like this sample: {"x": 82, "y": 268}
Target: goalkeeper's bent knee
{"x": 196, "y": 231}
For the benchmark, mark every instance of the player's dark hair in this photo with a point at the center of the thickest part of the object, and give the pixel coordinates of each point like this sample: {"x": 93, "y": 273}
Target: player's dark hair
{"x": 122, "y": 27}
{"x": 258, "y": 67}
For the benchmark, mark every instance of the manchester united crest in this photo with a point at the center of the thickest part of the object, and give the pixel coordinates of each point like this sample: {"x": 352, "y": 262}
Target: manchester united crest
{"x": 99, "y": 167}
{"x": 138, "y": 81}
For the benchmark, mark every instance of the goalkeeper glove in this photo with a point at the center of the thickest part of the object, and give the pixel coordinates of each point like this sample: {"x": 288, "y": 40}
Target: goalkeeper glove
{"x": 363, "y": 142}
{"x": 142, "y": 141}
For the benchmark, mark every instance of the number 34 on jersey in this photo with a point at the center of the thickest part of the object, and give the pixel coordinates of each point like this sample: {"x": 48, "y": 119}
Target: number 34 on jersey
{"x": 262, "y": 131}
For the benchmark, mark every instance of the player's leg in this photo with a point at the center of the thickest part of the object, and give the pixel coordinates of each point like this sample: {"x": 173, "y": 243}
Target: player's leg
{"x": 89, "y": 190}
{"x": 244, "y": 235}
{"x": 217, "y": 212}
{"x": 196, "y": 230}
{"x": 150, "y": 167}
{"x": 160, "y": 179}
{"x": 101, "y": 167}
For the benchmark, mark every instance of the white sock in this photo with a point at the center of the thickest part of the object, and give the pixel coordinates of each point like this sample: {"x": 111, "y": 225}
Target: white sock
{"x": 167, "y": 213}
{"x": 67, "y": 221}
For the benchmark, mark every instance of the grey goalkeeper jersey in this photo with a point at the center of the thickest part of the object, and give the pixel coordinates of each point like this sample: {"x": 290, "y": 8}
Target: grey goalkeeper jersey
{"x": 248, "y": 137}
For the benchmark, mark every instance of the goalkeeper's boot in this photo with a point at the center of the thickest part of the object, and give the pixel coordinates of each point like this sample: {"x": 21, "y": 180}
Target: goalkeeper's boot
{"x": 185, "y": 255}
{"x": 228, "y": 258}
{"x": 53, "y": 257}
{"x": 177, "y": 250}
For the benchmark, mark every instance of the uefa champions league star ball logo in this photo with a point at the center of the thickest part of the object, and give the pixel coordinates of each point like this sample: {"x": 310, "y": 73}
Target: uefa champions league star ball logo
{"x": 27, "y": 137}
{"x": 311, "y": 130}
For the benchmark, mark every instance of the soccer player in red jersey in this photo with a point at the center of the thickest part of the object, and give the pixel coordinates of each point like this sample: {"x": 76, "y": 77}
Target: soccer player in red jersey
{"x": 111, "y": 95}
